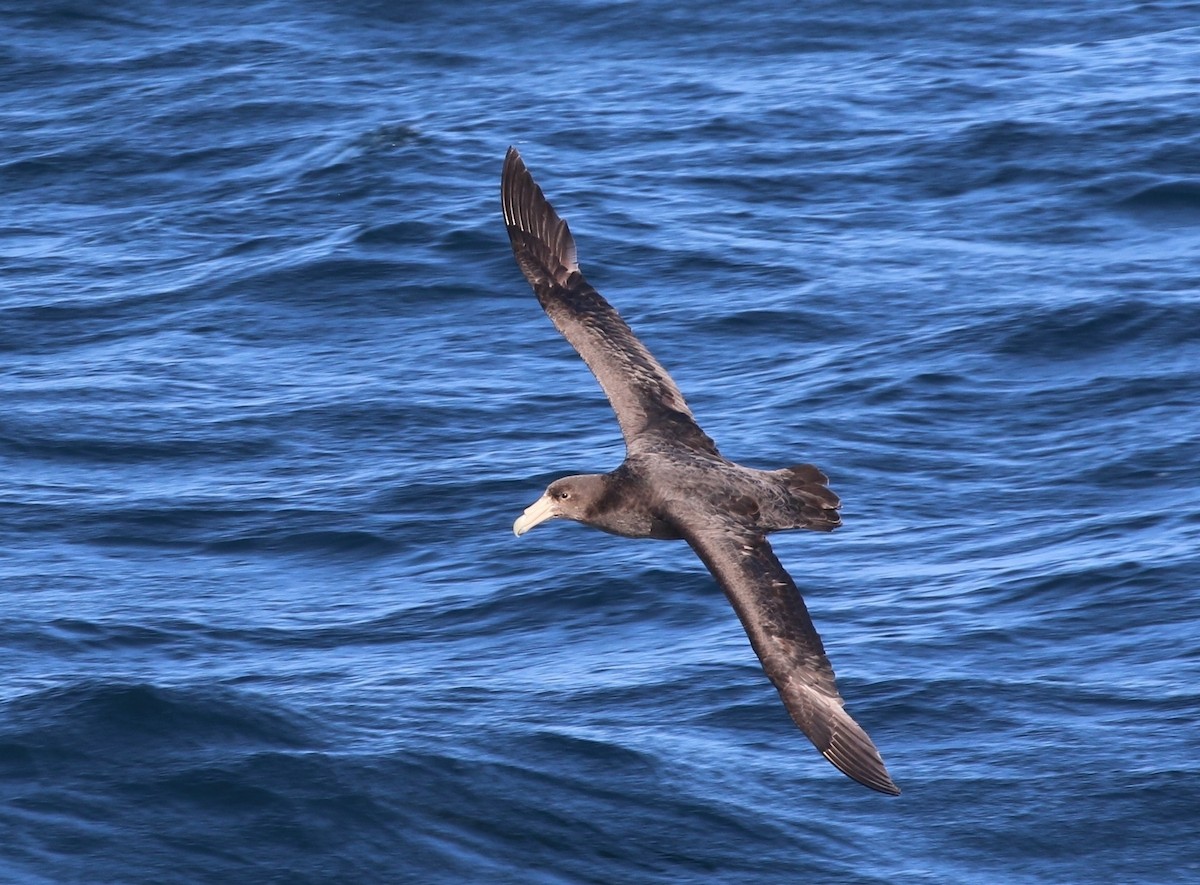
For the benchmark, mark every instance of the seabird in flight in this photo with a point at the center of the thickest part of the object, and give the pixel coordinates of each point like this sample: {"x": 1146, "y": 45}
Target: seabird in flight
{"x": 675, "y": 485}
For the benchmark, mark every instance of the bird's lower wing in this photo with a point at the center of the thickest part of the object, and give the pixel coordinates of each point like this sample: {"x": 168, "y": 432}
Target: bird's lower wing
{"x": 782, "y": 634}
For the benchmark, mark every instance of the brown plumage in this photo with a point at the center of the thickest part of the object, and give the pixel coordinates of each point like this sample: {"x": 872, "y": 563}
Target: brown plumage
{"x": 674, "y": 484}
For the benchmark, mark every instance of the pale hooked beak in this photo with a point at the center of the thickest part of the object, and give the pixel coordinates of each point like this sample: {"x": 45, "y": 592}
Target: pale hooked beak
{"x": 536, "y": 513}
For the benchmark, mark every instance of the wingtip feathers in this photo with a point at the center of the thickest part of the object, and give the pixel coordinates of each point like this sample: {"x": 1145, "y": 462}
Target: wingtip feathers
{"x": 541, "y": 240}
{"x": 850, "y": 749}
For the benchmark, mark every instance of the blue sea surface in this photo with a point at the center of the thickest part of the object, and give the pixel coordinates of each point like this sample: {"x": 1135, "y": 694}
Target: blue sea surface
{"x": 272, "y": 391}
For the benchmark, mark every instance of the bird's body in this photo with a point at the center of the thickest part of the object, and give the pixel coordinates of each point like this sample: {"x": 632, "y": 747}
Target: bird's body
{"x": 633, "y": 497}
{"x": 675, "y": 485}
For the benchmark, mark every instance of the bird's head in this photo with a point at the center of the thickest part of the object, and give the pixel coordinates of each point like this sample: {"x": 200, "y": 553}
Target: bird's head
{"x": 566, "y": 498}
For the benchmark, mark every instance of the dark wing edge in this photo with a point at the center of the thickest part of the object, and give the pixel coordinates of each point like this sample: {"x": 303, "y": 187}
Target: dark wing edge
{"x": 782, "y": 635}
{"x": 644, "y": 397}
{"x": 542, "y": 242}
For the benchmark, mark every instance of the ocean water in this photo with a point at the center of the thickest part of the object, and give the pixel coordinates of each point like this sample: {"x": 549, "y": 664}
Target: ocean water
{"x": 272, "y": 391}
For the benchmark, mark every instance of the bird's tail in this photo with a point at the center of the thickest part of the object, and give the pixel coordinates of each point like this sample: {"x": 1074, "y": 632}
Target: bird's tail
{"x": 813, "y": 504}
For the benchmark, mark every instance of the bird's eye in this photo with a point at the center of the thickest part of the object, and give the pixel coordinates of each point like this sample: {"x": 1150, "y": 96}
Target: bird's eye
{"x": 563, "y": 495}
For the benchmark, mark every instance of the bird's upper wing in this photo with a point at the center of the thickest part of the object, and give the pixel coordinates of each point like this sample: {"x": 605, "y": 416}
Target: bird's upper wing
{"x": 782, "y": 634}
{"x": 649, "y": 407}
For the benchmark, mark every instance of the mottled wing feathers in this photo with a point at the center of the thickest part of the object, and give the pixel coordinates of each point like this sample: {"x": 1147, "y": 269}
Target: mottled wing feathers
{"x": 782, "y": 634}
{"x": 649, "y": 407}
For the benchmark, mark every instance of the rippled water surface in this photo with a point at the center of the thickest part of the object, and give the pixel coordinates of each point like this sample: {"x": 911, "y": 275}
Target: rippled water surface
{"x": 274, "y": 391}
